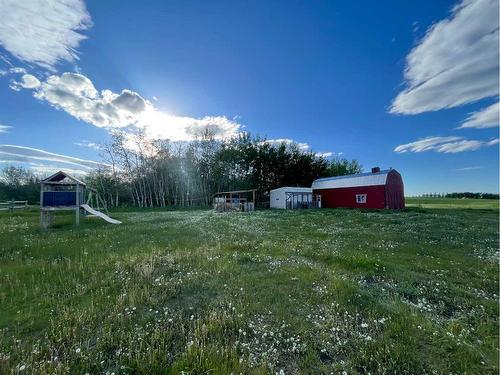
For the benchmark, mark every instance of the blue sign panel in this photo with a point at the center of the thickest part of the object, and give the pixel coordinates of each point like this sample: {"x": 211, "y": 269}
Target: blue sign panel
{"x": 59, "y": 198}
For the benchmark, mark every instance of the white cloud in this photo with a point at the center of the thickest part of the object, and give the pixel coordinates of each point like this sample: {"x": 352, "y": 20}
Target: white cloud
{"x": 444, "y": 144}
{"x": 17, "y": 70}
{"x": 159, "y": 125}
{"x": 76, "y": 94}
{"x": 14, "y": 154}
{"x": 28, "y": 81}
{"x": 485, "y": 118}
{"x": 277, "y": 142}
{"x": 88, "y": 144}
{"x": 43, "y": 32}
{"x": 324, "y": 154}
{"x": 456, "y": 63}
{"x": 4, "y": 128}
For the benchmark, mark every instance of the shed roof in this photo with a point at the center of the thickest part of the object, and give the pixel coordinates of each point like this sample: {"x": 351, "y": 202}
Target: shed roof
{"x": 235, "y": 192}
{"x": 61, "y": 177}
{"x": 295, "y": 189}
{"x": 360, "y": 179}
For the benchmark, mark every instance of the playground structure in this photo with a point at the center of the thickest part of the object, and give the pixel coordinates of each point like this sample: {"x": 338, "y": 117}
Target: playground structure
{"x": 62, "y": 192}
{"x": 238, "y": 200}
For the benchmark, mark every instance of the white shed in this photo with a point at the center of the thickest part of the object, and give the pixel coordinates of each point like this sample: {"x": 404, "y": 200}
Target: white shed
{"x": 294, "y": 197}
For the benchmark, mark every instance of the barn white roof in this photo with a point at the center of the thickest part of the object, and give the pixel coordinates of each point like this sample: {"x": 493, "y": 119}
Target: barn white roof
{"x": 361, "y": 179}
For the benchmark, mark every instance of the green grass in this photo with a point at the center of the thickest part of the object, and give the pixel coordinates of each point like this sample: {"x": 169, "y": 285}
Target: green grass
{"x": 487, "y": 204}
{"x": 317, "y": 291}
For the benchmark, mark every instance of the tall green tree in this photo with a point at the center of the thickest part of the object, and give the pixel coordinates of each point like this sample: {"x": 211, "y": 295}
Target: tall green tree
{"x": 342, "y": 167}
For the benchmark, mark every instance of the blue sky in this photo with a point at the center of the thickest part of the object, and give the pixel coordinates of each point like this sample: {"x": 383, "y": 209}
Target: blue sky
{"x": 386, "y": 83}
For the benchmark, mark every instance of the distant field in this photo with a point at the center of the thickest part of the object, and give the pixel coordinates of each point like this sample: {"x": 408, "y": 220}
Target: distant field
{"x": 452, "y": 203}
{"x": 313, "y": 291}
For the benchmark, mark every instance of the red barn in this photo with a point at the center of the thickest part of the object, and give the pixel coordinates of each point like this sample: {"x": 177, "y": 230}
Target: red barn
{"x": 378, "y": 189}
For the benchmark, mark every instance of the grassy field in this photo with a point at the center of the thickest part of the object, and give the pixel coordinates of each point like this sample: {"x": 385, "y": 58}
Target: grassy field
{"x": 488, "y": 204}
{"x": 317, "y": 291}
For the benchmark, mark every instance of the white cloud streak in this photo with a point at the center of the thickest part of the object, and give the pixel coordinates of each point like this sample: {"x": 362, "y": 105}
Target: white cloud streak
{"x": 456, "y": 63}
{"x": 444, "y": 145}
{"x": 43, "y": 32}
{"x": 17, "y": 70}
{"x": 469, "y": 168}
{"x": 4, "y": 128}
{"x": 20, "y": 154}
{"x": 45, "y": 170}
{"x": 485, "y": 118}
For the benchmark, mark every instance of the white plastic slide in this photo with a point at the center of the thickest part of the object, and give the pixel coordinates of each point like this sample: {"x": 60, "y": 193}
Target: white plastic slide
{"x": 90, "y": 210}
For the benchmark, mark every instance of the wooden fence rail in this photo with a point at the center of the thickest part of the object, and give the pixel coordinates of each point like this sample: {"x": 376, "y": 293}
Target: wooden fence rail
{"x": 13, "y": 205}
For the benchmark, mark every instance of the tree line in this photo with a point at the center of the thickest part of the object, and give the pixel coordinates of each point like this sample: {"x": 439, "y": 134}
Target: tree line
{"x": 17, "y": 183}
{"x": 461, "y": 195}
{"x": 158, "y": 173}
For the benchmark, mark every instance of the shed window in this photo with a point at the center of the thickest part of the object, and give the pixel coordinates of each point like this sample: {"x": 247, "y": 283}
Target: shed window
{"x": 360, "y": 198}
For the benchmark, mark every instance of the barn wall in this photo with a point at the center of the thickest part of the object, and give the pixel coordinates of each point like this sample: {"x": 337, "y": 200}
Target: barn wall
{"x": 394, "y": 190}
{"x": 346, "y": 197}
